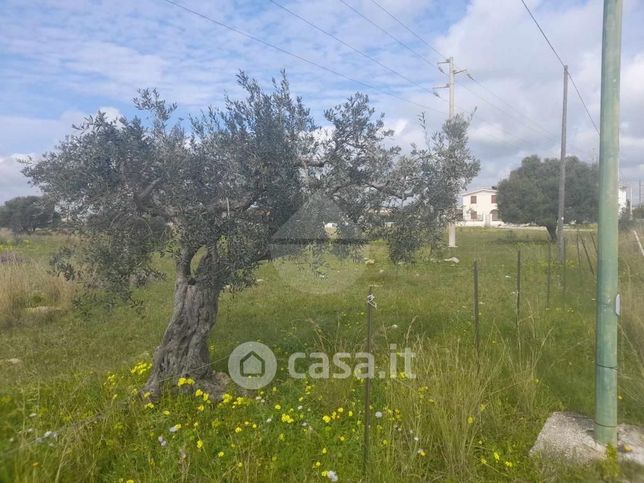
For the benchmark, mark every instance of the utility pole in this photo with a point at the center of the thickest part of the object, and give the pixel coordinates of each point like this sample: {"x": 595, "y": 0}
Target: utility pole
{"x": 451, "y": 227}
{"x": 608, "y": 301}
{"x": 562, "y": 169}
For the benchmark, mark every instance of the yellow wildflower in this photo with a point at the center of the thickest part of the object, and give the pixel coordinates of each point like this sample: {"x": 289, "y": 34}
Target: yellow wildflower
{"x": 199, "y": 444}
{"x": 220, "y": 454}
{"x": 287, "y": 419}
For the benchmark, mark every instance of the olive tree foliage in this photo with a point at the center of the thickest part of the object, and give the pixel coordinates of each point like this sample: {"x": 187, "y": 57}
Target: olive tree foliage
{"x": 214, "y": 196}
{"x": 424, "y": 187}
{"x": 531, "y": 193}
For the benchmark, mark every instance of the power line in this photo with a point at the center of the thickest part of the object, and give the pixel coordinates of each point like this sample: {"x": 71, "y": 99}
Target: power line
{"x": 512, "y": 113}
{"x": 563, "y": 64}
{"x": 487, "y": 89}
{"x": 388, "y": 34}
{"x": 476, "y": 115}
{"x": 536, "y": 124}
{"x": 419, "y": 37}
{"x": 299, "y": 57}
{"x": 526, "y": 120}
{"x": 358, "y": 51}
{"x": 582, "y": 102}
{"x": 412, "y": 50}
{"x": 418, "y": 55}
{"x": 544, "y": 34}
{"x": 407, "y": 28}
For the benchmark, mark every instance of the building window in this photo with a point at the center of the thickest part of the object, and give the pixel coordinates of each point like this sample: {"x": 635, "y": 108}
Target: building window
{"x": 473, "y": 199}
{"x": 495, "y": 215}
{"x": 474, "y": 215}
{"x": 493, "y": 198}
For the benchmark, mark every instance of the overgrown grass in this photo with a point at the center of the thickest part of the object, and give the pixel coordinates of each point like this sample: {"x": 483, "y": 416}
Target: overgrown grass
{"x": 464, "y": 417}
{"x": 28, "y": 291}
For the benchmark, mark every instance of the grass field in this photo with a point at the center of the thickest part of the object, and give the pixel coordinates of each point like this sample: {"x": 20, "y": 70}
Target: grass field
{"x": 69, "y": 409}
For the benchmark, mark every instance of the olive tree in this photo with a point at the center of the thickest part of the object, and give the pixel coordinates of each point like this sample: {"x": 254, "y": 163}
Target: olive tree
{"x": 25, "y": 214}
{"x": 214, "y": 196}
{"x": 530, "y": 193}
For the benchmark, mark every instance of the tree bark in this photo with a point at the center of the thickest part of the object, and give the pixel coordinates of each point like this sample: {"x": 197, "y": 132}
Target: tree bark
{"x": 184, "y": 349}
{"x": 552, "y": 231}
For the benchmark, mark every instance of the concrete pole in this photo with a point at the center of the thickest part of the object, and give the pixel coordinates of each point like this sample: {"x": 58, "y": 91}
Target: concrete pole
{"x": 562, "y": 169}
{"x": 608, "y": 303}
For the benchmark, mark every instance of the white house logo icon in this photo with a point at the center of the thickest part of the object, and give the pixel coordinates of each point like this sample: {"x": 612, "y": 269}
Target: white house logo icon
{"x": 252, "y": 365}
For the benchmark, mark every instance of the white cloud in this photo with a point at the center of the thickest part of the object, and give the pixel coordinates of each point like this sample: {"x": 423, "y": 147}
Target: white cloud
{"x": 34, "y": 134}
{"x": 111, "y": 113}
{"x": 498, "y": 42}
{"x": 12, "y": 182}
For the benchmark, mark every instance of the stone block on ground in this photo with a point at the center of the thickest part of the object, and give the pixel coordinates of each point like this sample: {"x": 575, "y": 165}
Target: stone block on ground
{"x": 570, "y": 436}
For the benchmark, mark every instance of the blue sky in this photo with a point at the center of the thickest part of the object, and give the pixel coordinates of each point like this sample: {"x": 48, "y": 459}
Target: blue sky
{"x": 63, "y": 60}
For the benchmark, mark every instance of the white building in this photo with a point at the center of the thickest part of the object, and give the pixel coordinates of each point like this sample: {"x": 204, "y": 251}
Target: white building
{"x": 622, "y": 202}
{"x": 480, "y": 208}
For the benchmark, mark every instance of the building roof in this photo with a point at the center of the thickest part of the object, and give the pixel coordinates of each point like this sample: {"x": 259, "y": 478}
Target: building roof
{"x": 489, "y": 190}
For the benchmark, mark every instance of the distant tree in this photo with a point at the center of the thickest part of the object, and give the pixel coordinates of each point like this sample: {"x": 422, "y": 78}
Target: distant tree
{"x": 531, "y": 193}
{"x": 25, "y": 214}
{"x": 216, "y": 197}
{"x": 638, "y": 213}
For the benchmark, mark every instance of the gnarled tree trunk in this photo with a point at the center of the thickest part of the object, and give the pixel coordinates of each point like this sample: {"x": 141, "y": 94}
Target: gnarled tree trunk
{"x": 552, "y": 231}
{"x": 184, "y": 349}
